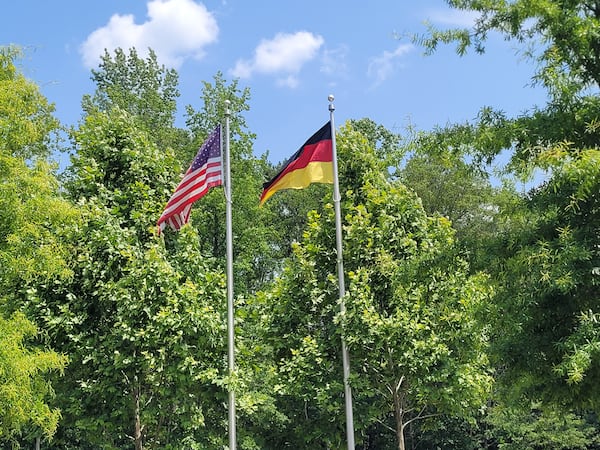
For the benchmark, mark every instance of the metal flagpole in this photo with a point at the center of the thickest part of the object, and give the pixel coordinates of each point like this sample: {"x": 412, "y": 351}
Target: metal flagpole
{"x": 230, "y": 319}
{"x": 342, "y": 288}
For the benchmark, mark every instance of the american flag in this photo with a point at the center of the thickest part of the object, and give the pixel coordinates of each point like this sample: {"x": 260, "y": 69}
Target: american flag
{"x": 204, "y": 173}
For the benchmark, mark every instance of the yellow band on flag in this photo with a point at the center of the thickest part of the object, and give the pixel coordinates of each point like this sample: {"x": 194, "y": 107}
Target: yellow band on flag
{"x": 314, "y": 172}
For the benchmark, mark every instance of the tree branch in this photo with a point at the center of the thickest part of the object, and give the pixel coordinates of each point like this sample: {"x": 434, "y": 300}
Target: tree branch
{"x": 385, "y": 425}
{"x": 420, "y": 416}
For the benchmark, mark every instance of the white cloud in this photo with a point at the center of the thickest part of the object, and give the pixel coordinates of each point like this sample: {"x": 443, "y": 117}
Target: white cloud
{"x": 453, "y": 17}
{"x": 175, "y": 30}
{"x": 333, "y": 62}
{"x": 283, "y": 56}
{"x": 290, "y": 81}
{"x": 382, "y": 67}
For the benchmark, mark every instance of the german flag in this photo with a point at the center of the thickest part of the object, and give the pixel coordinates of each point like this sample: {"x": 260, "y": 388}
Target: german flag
{"x": 312, "y": 163}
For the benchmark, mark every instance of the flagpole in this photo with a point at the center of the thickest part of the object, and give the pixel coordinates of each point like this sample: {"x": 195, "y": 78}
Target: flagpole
{"x": 342, "y": 288}
{"x": 230, "y": 315}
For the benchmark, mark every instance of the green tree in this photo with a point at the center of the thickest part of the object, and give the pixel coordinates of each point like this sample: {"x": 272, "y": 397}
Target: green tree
{"x": 141, "y": 319}
{"x": 31, "y": 252}
{"x": 29, "y": 202}
{"x": 561, "y": 39}
{"x": 253, "y": 250}
{"x": 31, "y": 214}
{"x": 145, "y": 89}
{"x": 562, "y": 35}
{"x": 256, "y": 255}
{"x": 535, "y": 427}
{"x": 460, "y": 191}
{"x": 390, "y": 148}
{"x": 261, "y": 240}
{"x": 26, "y": 120}
{"x": 547, "y": 255}
{"x": 417, "y": 347}
{"x": 24, "y": 388}
{"x": 549, "y": 283}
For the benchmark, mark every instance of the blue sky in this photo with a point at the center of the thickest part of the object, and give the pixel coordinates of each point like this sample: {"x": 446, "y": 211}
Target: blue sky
{"x": 291, "y": 54}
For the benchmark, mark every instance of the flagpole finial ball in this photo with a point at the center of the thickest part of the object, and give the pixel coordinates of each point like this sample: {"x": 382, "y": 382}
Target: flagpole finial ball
{"x": 330, "y": 97}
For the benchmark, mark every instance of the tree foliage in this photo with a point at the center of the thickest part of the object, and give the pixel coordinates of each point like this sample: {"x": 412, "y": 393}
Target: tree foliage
{"x": 142, "y": 87}
{"x": 142, "y": 318}
{"x": 469, "y": 201}
{"x": 134, "y": 317}
{"x": 24, "y": 388}
{"x": 550, "y": 285}
{"x": 411, "y": 324}
{"x": 26, "y": 120}
{"x": 562, "y": 34}
{"x": 31, "y": 211}
{"x": 262, "y": 237}
{"x": 544, "y": 256}
{"x": 517, "y": 427}
{"x": 30, "y": 205}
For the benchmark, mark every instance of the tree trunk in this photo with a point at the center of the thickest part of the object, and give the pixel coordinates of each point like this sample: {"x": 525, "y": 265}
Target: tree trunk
{"x": 137, "y": 434}
{"x": 399, "y": 414}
